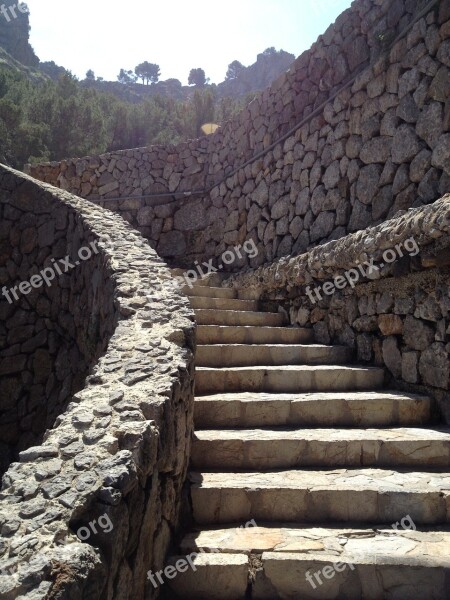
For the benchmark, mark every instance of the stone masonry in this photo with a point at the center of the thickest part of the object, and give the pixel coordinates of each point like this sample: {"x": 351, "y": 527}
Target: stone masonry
{"x": 397, "y": 316}
{"x": 355, "y": 131}
{"x": 345, "y": 157}
{"x": 112, "y": 446}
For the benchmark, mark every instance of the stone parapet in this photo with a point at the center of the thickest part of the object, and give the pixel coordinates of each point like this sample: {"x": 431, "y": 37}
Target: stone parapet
{"x": 98, "y": 369}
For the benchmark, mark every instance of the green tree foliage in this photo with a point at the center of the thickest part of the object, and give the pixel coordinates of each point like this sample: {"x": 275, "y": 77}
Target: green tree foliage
{"x": 234, "y": 69}
{"x": 61, "y": 119}
{"x": 126, "y": 77}
{"x": 148, "y": 72}
{"x": 197, "y": 77}
{"x": 90, "y": 75}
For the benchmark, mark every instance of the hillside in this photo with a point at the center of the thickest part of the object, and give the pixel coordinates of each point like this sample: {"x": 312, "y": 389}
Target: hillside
{"x": 48, "y": 114}
{"x": 254, "y": 78}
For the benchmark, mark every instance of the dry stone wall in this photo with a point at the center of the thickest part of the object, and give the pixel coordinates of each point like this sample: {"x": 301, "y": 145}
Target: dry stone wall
{"x": 92, "y": 506}
{"x": 51, "y": 334}
{"x": 396, "y": 316}
{"x": 371, "y": 96}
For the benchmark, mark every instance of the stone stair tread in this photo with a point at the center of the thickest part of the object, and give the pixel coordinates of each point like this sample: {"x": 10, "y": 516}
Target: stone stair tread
{"x": 251, "y": 334}
{"x": 210, "y": 292}
{"x": 287, "y": 378}
{"x": 212, "y": 316}
{"x": 231, "y": 355}
{"x": 283, "y": 448}
{"x": 203, "y": 302}
{"x": 313, "y": 397}
{"x": 366, "y": 495}
{"x": 245, "y": 409}
{"x": 406, "y": 434}
{"x": 274, "y": 345}
{"x": 293, "y": 368}
{"x": 338, "y": 541}
{"x": 387, "y": 479}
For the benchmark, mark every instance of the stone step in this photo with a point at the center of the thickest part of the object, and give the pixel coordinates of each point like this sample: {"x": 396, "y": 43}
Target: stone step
{"x": 241, "y": 355}
{"x": 223, "y": 303}
{"x": 313, "y": 496}
{"x": 365, "y": 563}
{"x": 205, "y": 576}
{"x": 288, "y": 378}
{"x": 331, "y": 409}
{"x": 210, "y": 292}
{"x": 261, "y": 449}
{"x": 194, "y": 278}
{"x": 235, "y": 317}
{"x": 216, "y": 334}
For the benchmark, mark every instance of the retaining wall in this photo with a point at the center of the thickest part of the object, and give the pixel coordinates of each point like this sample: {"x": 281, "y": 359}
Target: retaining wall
{"x": 362, "y": 120}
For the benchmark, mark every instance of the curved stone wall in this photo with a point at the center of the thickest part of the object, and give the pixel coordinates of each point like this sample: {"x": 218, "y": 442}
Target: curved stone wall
{"x": 355, "y": 131}
{"x": 396, "y": 315}
{"x": 51, "y": 332}
{"x": 91, "y": 508}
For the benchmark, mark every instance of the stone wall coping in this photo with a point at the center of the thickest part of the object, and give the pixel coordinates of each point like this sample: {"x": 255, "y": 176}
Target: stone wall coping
{"x": 426, "y": 225}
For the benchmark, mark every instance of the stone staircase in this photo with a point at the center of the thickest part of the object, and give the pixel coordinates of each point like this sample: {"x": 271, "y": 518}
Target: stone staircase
{"x": 308, "y": 479}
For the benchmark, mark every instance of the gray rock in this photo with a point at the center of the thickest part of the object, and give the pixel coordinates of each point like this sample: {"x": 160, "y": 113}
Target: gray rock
{"x": 420, "y": 166}
{"x": 303, "y": 202}
{"x": 32, "y": 454}
{"x": 408, "y": 110}
{"x": 280, "y": 208}
{"x": 428, "y": 189}
{"x": 376, "y": 150}
{"x": 332, "y": 175}
{"x": 417, "y": 334}
{"x": 360, "y": 218}
{"x": 406, "y": 145}
{"x": 392, "y": 356}
{"x": 441, "y": 153}
{"x": 322, "y": 226}
{"x": 353, "y": 146}
{"x": 318, "y": 199}
{"x": 368, "y": 181}
{"x": 434, "y": 366}
{"x": 440, "y": 86}
{"x": 429, "y": 125}
{"x": 410, "y": 371}
{"x": 190, "y": 217}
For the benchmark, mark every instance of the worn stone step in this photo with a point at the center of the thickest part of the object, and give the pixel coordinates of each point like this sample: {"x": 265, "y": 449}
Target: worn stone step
{"x": 216, "y": 334}
{"x": 193, "y": 277}
{"x": 241, "y": 355}
{"x": 329, "y": 409}
{"x": 347, "y": 495}
{"x": 288, "y": 378}
{"x": 210, "y": 292}
{"x": 261, "y": 449}
{"x": 223, "y": 303}
{"x": 235, "y": 317}
{"x": 211, "y": 576}
{"x": 384, "y": 563}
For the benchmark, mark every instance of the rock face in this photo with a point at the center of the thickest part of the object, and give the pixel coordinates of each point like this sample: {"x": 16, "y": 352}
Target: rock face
{"x": 15, "y": 33}
{"x": 259, "y": 76}
{"x": 380, "y": 146}
{"x": 101, "y": 461}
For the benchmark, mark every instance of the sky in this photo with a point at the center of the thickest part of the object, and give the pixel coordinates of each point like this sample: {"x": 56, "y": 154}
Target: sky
{"x": 107, "y": 35}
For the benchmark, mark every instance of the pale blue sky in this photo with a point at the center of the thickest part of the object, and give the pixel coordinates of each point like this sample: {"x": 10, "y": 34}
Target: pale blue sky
{"x": 107, "y": 35}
